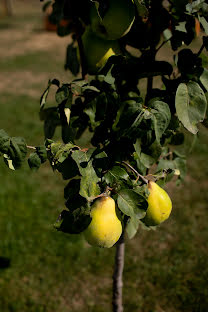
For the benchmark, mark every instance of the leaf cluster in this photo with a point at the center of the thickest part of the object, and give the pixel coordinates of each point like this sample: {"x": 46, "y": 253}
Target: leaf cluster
{"x": 133, "y": 137}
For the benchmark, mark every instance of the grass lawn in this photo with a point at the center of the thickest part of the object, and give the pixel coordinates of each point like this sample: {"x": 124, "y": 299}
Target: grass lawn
{"x": 166, "y": 270}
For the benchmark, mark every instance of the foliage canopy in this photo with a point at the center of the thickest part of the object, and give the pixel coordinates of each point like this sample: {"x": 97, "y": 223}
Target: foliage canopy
{"x": 131, "y": 135}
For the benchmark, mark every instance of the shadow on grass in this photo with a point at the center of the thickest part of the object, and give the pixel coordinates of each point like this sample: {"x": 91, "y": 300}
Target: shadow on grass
{"x": 4, "y": 263}
{"x": 6, "y": 25}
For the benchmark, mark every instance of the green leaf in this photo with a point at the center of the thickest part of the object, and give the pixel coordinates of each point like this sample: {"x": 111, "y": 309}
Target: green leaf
{"x": 204, "y": 78}
{"x": 4, "y": 141}
{"x": 196, "y": 6}
{"x": 63, "y": 152}
{"x": 167, "y": 34}
{"x": 132, "y": 227}
{"x": 89, "y": 181}
{"x": 115, "y": 174}
{"x": 71, "y": 189}
{"x": 161, "y": 118}
{"x": 45, "y": 95}
{"x": 147, "y": 160}
{"x": 204, "y": 23}
{"x": 118, "y": 115}
{"x": 16, "y": 152}
{"x": 68, "y": 168}
{"x": 46, "y": 5}
{"x": 180, "y": 164}
{"x": 191, "y": 105}
{"x": 91, "y": 113}
{"x": 51, "y": 121}
{"x": 72, "y": 62}
{"x": 67, "y": 113}
{"x": 205, "y": 42}
{"x": 34, "y": 161}
{"x": 108, "y": 78}
{"x": 165, "y": 164}
{"x": 42, "y": 153}
{"x": 181, "y": 27}
{"x": 62, "y": 94}
{"x": 131, "y": 203}
{"x": 72, "y": 222}
{"x": 137, "y": 156}
{"x": 100, "y": 162}
{"x": 8, "y": 162}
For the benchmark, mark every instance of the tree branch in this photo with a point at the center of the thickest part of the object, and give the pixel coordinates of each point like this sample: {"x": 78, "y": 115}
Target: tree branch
{"x": 136, "y": 172}
{"x": 31, "y": 147}
{"x": 82, "y": 56}
{"x": 200, "y": 50}
{"x": 118, "y": 275}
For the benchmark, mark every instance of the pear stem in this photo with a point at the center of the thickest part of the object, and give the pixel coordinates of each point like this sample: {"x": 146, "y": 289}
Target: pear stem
{"x": 118, "y": 275}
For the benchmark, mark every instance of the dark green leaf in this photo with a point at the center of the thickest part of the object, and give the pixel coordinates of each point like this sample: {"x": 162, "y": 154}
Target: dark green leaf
{"x": 4, "y": 141}
{"x": 161, "y": 118}
{"x": 71, "y": 189}
{"x": 131, "y": 203}
{"x": 115, "y": 174}
{"x": 16, "y": 152}
{"x": 132, "y": 227}
{"x": 204, "y": 79}
{"x": 89, "y": 182}
{"x": 205, "y": 42}
{"x": 46, "y": 5}
{"x": 72, "y": 223}
{"x": 45, "y": 95}
{"x": 49, "y": 128}
{"x": 68, "y": 168}
{"x": 137, "y": 156}
{"x": 62, "y": 94}
{"x": 34, "y": 161}
{"x": 42, "y": 153}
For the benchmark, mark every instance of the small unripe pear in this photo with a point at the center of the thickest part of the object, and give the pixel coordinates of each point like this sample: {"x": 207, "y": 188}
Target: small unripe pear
{"x": 105, "y": 228}
{"x": 159, "y": 205}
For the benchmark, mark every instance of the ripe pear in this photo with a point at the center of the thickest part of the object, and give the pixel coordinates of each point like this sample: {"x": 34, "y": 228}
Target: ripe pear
{"x": 97, "y": 50}
{"x": 105, "y": 227}
{"x": 159, "y": 205}
{"x": 116, "y": 22}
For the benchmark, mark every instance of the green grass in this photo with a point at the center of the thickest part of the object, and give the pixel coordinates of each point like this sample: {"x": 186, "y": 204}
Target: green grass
{"x": 166, "y": 270}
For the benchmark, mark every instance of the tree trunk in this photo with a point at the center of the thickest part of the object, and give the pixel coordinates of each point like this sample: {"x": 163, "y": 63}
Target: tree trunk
{"x": 118, "y": 275}
{"x": 8, "y": 7}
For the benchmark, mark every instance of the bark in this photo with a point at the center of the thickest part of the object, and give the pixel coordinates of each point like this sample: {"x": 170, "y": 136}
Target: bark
{"x": 118, "y": 275}
{"x": 8, "y": 7}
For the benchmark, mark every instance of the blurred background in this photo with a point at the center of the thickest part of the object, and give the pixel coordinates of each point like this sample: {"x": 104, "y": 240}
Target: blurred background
{"x": 42, "y": 270}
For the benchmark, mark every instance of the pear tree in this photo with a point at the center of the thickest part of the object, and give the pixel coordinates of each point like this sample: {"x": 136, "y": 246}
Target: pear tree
{"x": 135, "y": 136}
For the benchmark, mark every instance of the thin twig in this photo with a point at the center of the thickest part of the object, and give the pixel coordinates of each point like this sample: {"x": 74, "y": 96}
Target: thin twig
{"x": 200, "y": 50}
{"x": 117, "y": 301}
{"x": 31, "y": 147}
{"x": 162, "y": 44}
{"x": 136, "y": 172}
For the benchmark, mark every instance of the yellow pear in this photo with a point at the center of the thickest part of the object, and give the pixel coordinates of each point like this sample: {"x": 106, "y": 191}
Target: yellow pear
{"x": 105, "y": 227}
{"x": 159, "y": 205}
{"x": 116, "y": 22}
{"x": 97, "y": 50}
